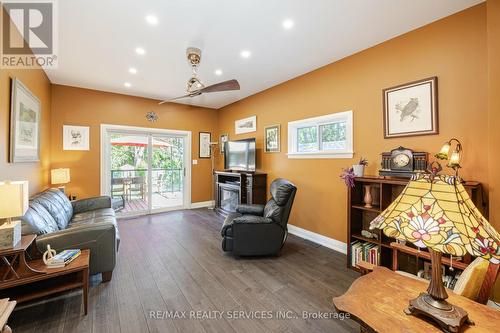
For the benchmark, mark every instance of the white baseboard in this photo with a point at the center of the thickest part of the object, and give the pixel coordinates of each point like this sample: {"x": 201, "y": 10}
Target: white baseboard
{"x": 318, "y": 239}
{"x": 202, "y": 204}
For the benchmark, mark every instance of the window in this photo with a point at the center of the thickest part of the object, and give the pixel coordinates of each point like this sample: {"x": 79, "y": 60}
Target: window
{"x": 328, "y": 136}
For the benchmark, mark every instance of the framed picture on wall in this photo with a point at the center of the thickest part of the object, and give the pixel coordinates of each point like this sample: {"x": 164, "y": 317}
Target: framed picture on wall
{"x": 25, "y": 114}
{"x": 204, "y": 149}
{"x": 272, "y": 139}
{"x": 76, "y": 137}
{"x": 222, "y": 140}
{"x": 411, "y": 109}
{"x": 245, "y": 125}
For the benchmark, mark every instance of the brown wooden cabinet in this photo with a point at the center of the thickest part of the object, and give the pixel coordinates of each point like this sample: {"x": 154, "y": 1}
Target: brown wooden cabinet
{"x": 384, "y": 190}
{"x": 234, "y": 188}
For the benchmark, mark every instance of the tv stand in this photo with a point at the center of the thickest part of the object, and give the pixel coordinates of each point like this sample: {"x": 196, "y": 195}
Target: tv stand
{"x": 238, "y": 187}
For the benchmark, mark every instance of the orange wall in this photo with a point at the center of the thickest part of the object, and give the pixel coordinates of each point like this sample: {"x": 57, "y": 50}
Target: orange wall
{"x": 493, "y": 23}
{"x": 453, "y": 49}
{"x": 84, "y": 107}
{"x": 37, "y": 173}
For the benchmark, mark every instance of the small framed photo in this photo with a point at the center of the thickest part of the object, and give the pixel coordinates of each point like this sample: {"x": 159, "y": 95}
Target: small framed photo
{"x": 411, "y": 109}
{"x": 204, "y": 149}
{"x": 76, "y": 137}
{"x": 222, "y": 140}
{"x": 245, "y": 125}
{"x": 272, "y": 138}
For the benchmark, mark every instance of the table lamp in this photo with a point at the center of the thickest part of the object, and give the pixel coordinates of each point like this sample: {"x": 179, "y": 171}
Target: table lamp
{"x": 59, "y": 177}
{"x": 13, "y": 203}
{"x": 435, "y": 212}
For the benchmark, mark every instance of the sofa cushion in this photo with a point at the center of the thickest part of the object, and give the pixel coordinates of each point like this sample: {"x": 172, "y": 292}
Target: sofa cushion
{"x": 105, "y": 216}
{"x": 92, "y": 214}
{"x": 37, "y": 220}
{"x": 57, "y": 204}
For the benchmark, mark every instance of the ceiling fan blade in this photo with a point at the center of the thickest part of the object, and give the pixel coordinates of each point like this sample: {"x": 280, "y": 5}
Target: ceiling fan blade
{"x": 221, "y": 86}
{"x": 196, "y": 93}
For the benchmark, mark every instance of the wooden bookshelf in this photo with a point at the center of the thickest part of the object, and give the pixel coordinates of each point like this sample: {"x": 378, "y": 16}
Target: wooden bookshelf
{"x": 392, "y": 255}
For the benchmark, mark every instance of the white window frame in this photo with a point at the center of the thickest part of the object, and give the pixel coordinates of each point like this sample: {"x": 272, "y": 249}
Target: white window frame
{"x": 293, "y": 126}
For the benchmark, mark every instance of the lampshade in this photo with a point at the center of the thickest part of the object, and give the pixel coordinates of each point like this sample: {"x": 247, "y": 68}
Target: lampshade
{"x": 435, "y": 211}
{"x": 443, "y": 153}
{"x": 59, "y": 176}
{"x": 13, "y": 199}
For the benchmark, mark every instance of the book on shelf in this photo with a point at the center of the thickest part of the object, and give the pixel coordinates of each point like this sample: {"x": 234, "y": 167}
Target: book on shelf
{"x": 63, "y": 258}
{"x": 364, "y": 251}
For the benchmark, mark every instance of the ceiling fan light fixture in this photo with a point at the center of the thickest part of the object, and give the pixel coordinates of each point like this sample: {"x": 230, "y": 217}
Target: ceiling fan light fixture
{"x": 245, "y": 54}
{"x": 151, "y": 19}
{"x": 288, "y": 24}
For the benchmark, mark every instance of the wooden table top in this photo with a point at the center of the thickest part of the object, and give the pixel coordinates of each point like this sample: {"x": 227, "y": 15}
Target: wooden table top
{"x": 23, "y": 244}
{"x": 79, "y": 264}
{"x": 378, "y": 299}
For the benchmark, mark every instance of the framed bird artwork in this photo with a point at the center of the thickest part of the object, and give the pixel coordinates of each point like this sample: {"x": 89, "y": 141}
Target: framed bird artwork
{"x": 411, "y": 109}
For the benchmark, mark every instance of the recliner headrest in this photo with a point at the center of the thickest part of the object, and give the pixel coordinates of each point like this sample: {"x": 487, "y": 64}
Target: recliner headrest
{"x": 281, "y": 189}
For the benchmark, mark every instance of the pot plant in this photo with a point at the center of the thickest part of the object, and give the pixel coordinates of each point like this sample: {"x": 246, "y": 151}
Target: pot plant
{"x": 359, "y": 169}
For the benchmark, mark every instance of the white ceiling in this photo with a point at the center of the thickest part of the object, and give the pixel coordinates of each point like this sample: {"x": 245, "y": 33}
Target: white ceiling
{"x": 97, "y": 40}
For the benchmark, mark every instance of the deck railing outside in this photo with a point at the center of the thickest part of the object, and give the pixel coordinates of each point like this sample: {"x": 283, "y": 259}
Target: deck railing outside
{"x": 133, "y": 183}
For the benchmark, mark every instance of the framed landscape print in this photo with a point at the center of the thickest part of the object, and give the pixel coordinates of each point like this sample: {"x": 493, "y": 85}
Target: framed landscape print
{"x": 76, "y": 137}
{"x": 272, "y": 139}
{"x": 411, "y": 109}
{"x": 25, "y": 113}
{"x": 223, "y": 139}
{"x": 204, "y": 149}
{"x": 245, "y": 125}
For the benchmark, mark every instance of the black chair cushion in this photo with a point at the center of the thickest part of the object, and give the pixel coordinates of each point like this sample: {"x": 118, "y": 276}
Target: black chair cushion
{"x": 281, "y": 189}
{"x": 273, "y": 211}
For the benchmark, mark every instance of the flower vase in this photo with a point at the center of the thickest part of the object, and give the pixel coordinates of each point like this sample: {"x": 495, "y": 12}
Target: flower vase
{"x": 368, "y": 199}
{"x": 359, "y": 170}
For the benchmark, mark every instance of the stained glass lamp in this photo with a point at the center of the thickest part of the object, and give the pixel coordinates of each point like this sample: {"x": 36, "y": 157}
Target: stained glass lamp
{"x": 436, "y": 212}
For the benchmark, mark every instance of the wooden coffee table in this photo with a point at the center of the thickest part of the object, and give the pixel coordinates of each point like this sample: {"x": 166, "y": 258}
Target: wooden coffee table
{"x": 22, "y": 284}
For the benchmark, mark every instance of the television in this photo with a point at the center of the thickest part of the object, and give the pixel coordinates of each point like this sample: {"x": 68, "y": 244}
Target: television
{"x": 240, "y": 155}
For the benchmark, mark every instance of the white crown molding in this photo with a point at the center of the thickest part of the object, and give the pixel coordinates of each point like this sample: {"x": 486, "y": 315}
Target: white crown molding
{"x": 318, "y": 239}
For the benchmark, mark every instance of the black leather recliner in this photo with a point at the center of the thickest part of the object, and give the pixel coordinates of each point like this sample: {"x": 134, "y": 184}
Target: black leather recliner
{"x": 257, "y": 230}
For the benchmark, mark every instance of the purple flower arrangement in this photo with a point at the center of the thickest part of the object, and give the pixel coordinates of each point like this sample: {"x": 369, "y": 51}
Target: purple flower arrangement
{"x": 348, "y": 176}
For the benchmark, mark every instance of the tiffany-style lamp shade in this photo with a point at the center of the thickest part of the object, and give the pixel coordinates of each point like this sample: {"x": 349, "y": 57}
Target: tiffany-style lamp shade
{"x": 436, "y": 212}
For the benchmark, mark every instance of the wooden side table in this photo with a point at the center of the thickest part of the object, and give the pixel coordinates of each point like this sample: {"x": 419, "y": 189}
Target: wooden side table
{"x": 377, "y": 301}
{"x": 24, "y": 280}
{"x": 14, "y": 260}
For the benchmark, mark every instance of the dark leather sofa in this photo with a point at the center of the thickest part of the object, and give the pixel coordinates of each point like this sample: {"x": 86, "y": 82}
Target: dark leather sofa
{"x": 83, "y": 224}
{"x": 257, "y": 230}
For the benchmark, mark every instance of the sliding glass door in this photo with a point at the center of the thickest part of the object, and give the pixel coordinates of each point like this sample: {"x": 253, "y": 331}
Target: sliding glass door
{"x": 167, "y": 172}
{"x": 145, "y": 171}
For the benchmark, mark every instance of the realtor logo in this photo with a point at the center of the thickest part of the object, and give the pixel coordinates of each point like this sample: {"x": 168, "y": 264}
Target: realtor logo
{"x": 28, "y": 34}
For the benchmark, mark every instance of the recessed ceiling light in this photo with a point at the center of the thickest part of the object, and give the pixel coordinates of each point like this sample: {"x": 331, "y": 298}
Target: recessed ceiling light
{"x": 288, "y": 24}
{"x": 152, "y": 20}
{"x": 132, "y": 70}
{"x": 245, "y": 54}
{"x": 127, "y": 84}
{"x": 218, "y": 72}
{"x": 140, "y": 51}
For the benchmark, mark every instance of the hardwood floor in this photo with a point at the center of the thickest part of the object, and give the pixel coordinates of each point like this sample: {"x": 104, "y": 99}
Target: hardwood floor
{"x": 174, "y": 262}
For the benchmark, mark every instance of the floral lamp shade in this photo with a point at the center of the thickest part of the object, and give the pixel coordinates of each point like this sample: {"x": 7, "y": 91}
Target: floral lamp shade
{"x": 435, "y": 211}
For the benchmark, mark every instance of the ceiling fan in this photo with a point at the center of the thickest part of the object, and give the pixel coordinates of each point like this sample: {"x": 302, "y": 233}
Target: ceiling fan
{"x": 194, "y": 86}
